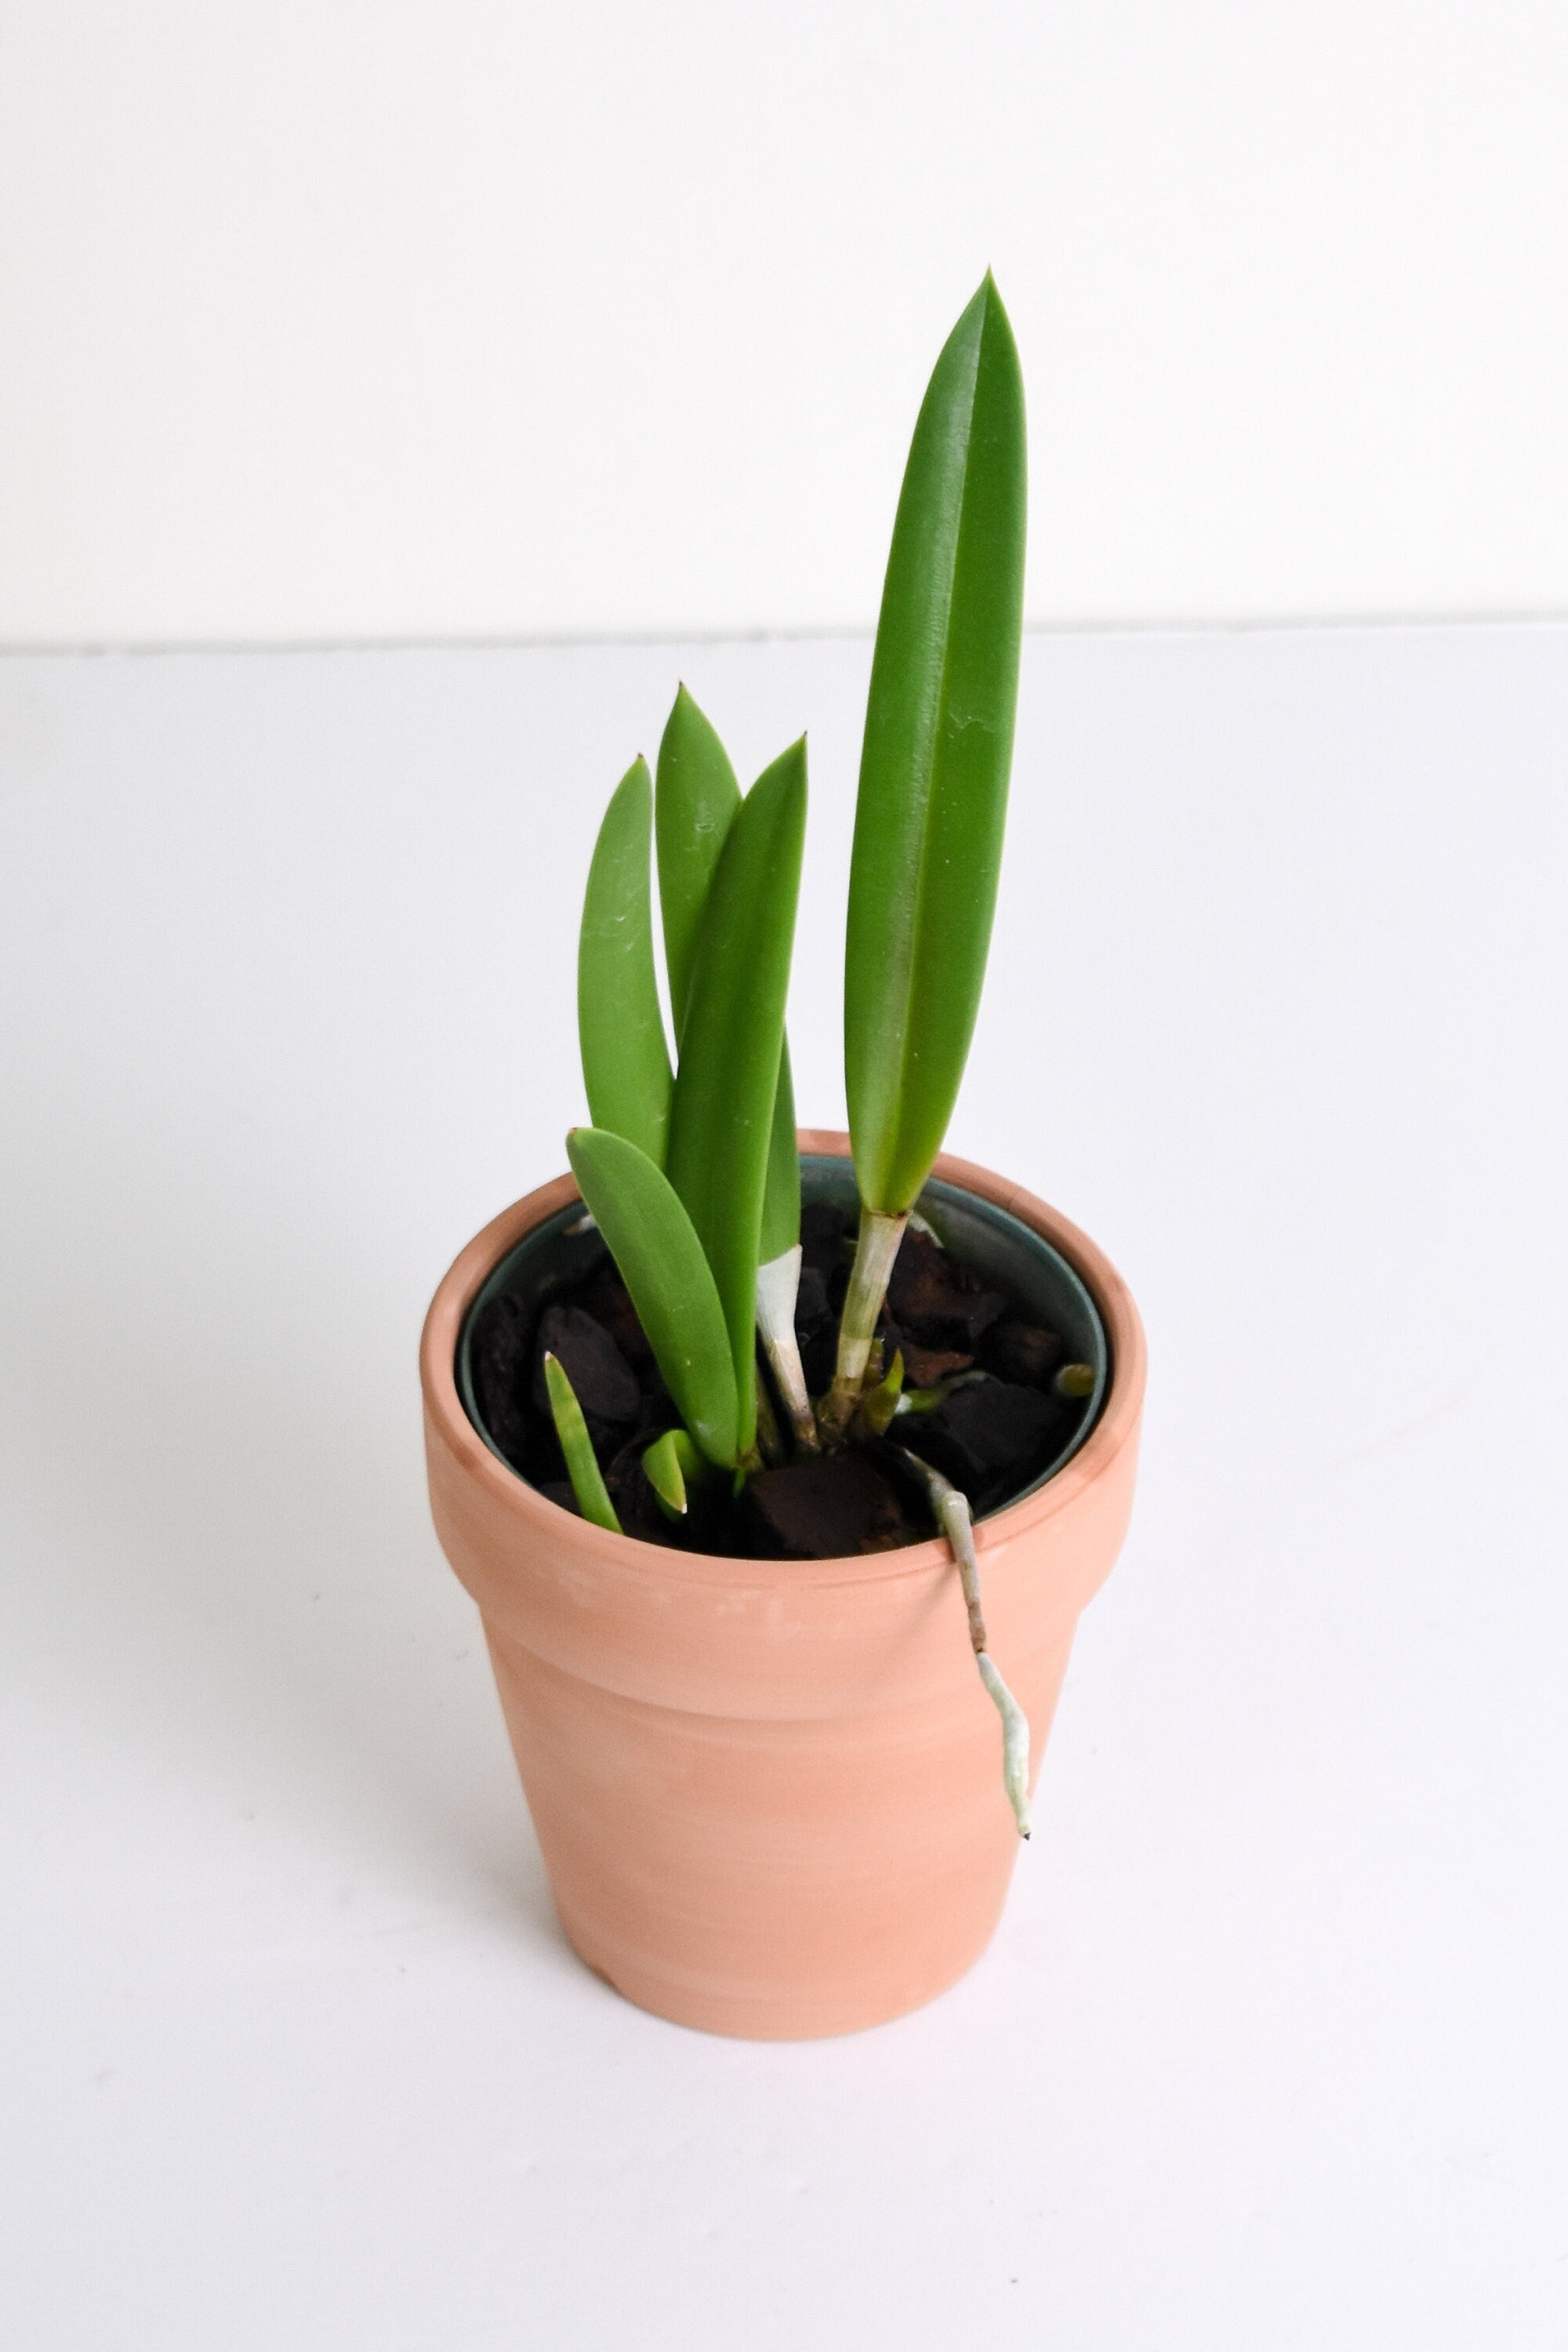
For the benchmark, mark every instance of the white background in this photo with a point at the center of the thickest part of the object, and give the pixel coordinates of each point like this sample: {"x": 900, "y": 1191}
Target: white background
{"x": 326, "y": 322}
{"x": 324, "y": 319}
{"x": 1270, "y": 2053}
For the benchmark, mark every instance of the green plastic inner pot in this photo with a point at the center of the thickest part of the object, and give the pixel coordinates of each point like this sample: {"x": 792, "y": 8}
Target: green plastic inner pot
{"x": 1004, "y": 1253}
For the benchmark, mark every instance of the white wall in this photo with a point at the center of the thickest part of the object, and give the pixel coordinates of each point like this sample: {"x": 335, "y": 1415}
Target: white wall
{"x": 330, "y": 319}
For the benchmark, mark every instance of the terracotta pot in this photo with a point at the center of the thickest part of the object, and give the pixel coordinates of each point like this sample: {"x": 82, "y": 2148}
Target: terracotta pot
{"x": 769, "y": 1793}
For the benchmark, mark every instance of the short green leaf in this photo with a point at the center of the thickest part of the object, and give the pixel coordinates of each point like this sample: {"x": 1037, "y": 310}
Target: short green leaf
{"x": 694, "y": 806}
{"x": 781, "y": 1195}
{"x": 626, "y": 1061}
{"x": 672, "y": 1463}
{"x": 693, "y": 810}
{"x": 582, "y": 1462}
{"x": 655, "y": 1247}
{"x": 934, "y": 767}
{"x": 723, "y": 1113}
{"x": 879, "y": 1404}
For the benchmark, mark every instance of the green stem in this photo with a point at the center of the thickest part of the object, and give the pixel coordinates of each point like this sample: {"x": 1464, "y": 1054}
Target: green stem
{"x": 875, "y": 1251}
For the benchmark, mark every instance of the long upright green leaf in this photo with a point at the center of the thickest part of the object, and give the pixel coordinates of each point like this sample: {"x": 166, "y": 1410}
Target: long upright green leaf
{"x": 653, "y": 1242}
{"x": 934, "y": 767}
{"x": 695, "y": 802}
{"x": 694, "y": 808}
{"x": 726, "y": 1086}
{"x": 626, "y": 1061}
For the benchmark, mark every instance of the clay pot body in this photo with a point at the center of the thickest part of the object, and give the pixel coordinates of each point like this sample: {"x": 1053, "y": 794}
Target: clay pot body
{"x": 769, "y": 1793}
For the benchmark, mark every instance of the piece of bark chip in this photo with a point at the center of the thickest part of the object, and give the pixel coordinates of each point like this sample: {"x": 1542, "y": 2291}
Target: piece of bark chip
{"x": 656, "y": 1412}
{"x": 824, "y": 1235}
{"x": 826, "y": 1509}
{"x": 637, "y": 1505}
{"x": 811, "y": 1307}
{"x": 605, "y": 1385}
{"x": 497, "y": 1358}
{"x": 827, "y": 1248}
{"x": 924, "y": 1367}
{"x": 1023, "y": 1352}
{"x": 936, "y": 1302}
{"x": 815, "y": 1329}
{"x": 981, "y": 1435}
{"x": 609, "y": 1302}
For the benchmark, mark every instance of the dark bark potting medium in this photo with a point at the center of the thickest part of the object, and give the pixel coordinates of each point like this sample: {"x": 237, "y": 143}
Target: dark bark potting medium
{"x": 987, "y": 1353}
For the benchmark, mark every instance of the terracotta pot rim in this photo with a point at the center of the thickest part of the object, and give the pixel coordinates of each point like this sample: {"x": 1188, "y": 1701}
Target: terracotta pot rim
{"x": 1117, "y": 1425}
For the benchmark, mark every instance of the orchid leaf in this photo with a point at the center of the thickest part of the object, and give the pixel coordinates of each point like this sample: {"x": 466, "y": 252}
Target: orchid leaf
{"x": 655, "y": 1245}
{"x": 781, "y": 1195}
{"x": 935, "y": 766}
{"x": 582, "y": 1462}
{"x": 672, "y": 1463}
{"x": 694, "y": 806}
{"x": 626, "y": 1061}
{"x": 878, "y": 1405}
{"x": 722, "y": 1110}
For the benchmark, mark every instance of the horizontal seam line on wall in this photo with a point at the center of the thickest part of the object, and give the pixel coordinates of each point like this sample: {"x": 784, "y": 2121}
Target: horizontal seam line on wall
{"x": 1303, "y": 623}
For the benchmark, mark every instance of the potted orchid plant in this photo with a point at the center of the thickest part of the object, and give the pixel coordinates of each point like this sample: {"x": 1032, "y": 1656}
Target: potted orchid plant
{"x": 717, "y": 1358}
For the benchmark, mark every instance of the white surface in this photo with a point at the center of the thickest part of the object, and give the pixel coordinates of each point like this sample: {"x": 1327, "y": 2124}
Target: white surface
{"x": 1270, "y": 2052}
{"x": 323, "y": 319}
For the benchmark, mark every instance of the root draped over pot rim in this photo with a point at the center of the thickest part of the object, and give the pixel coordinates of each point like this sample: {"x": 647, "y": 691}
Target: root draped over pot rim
{"x": 952, "y": 1514}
